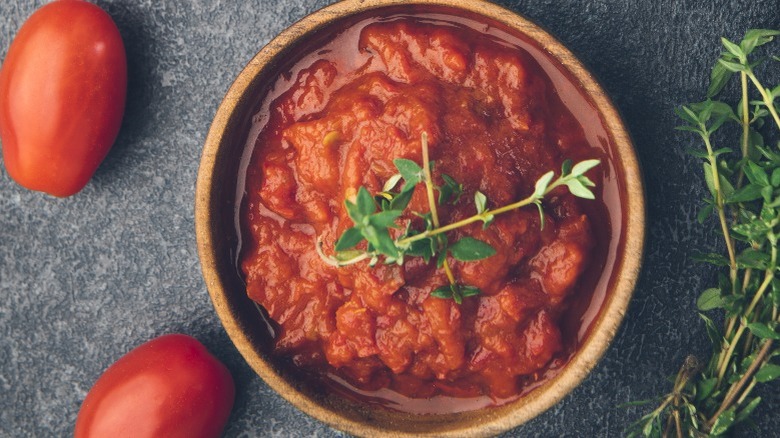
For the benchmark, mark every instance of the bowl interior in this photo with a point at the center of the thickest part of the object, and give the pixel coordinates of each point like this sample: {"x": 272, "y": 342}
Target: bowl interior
{"x": 219, "y": 193}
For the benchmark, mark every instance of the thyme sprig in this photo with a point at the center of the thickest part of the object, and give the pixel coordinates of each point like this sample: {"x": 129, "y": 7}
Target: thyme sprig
{"x": 374, "y": 216}
{"x": 710, "y": 399}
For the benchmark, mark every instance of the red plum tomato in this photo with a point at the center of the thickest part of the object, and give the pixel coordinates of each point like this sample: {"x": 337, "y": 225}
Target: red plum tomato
{"x": 168, "y": 387}
{"x": 63, "y": 86}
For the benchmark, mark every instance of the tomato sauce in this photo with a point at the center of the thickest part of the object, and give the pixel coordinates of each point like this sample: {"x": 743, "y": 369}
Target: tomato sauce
{"x": 498, "y": 116}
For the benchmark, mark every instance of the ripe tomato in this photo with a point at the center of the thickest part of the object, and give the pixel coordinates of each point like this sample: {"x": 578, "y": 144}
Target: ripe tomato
{"x": 62, "y": 96}
{"x": 169, "y": 387}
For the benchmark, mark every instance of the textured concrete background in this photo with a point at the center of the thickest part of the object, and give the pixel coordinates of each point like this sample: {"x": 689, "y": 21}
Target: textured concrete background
{"x": 85, "y": 279}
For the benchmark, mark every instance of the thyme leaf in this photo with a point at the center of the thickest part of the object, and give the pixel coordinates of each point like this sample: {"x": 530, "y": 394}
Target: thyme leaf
{"x": 469, "y": 249}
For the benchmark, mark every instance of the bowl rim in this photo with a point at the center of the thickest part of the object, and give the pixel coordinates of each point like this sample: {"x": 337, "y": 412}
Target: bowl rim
{"x": 625, "y": 273}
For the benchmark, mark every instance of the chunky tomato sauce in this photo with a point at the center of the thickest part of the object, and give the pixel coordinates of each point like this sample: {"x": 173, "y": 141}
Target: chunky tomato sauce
{"x": 496, "y": 123}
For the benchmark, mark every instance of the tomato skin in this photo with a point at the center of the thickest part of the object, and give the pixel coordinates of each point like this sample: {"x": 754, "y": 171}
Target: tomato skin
{"x": 170, "y": 386}
{"x": 63, "y": 86}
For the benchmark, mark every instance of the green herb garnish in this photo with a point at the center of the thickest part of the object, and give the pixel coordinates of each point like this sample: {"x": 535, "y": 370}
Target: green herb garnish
{"x": 374, "y": 216}
{"x": 710, "y": 399}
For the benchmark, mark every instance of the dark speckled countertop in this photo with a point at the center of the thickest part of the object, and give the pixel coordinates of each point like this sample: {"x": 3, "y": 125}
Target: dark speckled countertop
{"x": 85, "y": 279}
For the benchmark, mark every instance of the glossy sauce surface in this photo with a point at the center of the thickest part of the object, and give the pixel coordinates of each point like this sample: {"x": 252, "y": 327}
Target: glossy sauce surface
{"x": 498, "y": 115}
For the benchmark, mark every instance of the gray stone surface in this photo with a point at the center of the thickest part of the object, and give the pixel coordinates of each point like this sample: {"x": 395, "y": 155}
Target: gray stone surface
{"x": 85, "y": 279}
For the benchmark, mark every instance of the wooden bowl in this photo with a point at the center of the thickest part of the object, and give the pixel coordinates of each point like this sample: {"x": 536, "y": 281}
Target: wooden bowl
{"x": 218, "y": 197}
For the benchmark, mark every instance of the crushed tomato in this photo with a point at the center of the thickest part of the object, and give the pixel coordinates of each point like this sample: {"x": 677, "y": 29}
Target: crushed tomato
{"x": 495, "y": 123}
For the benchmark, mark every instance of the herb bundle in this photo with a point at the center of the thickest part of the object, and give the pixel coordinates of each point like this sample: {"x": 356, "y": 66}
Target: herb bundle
{"x": 709, "y": 399}
{"x": 374, "y": 216}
